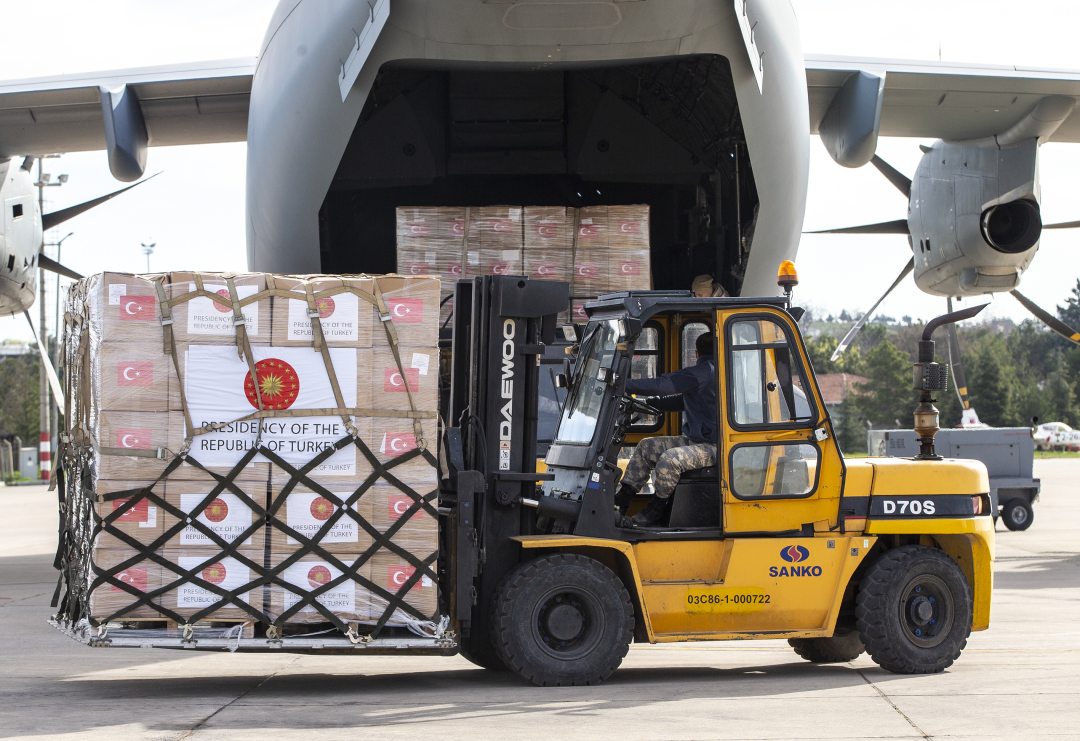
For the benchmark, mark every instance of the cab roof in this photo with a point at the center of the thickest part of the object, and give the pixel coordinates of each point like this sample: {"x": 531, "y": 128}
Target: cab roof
{"x": 644, "y": 305}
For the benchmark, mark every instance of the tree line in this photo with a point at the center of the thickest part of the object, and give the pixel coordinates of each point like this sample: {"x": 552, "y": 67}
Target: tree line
{"x": 1015, "y": 372}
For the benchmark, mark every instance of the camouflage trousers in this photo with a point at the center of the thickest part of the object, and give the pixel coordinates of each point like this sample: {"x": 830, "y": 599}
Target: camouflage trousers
{"x": 667, "y": 458}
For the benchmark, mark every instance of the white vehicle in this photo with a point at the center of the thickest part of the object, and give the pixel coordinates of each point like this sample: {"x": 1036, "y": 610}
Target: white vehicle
{"x": 1056, "y": 436}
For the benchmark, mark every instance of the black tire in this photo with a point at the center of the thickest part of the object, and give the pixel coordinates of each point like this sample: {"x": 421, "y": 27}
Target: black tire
{"x": 562, "y": 620}
{"x": 842, "y": 647}
{"x": 1017, "y": 514}
{"x": 913, "y": 610}
{"x": 479, "y": 651}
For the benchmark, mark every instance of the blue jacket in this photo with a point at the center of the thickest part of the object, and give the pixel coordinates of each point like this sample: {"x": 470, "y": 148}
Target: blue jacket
{"x": 692, "y": 391}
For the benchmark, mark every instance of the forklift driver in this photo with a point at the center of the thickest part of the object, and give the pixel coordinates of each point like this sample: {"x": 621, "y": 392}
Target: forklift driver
{"x": 692, "y": 391}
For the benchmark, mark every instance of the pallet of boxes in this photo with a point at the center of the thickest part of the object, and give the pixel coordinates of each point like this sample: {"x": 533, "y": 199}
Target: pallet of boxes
{"x": 251, "y": 457}
{"x": 597, "y": 249}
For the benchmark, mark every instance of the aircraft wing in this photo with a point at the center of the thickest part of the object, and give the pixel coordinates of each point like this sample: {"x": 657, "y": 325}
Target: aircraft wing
{"x": 936, "y": 100}
{"x": 198, "y": 103}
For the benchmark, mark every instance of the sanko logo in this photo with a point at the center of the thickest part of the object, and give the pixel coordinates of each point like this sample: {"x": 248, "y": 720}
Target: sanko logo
{"x": 794, "y": 554}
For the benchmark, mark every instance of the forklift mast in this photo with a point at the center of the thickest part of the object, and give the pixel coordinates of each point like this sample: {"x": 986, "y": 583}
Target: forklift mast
{"x": 501, "y": 327}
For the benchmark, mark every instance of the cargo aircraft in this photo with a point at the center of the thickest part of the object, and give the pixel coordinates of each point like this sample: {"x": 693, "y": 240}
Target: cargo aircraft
{"x": 699, "y": 108}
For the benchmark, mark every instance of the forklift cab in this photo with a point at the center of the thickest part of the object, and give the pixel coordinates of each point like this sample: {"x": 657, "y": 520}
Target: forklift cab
{"x": 775, "y": 442}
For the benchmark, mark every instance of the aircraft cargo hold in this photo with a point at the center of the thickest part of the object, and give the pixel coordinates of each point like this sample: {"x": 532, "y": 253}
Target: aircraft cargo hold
{"x": 251, "y": 451}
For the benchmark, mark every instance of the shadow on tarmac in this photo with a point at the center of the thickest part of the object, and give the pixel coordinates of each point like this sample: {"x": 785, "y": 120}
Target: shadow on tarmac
{"x": 1052, "y": 570}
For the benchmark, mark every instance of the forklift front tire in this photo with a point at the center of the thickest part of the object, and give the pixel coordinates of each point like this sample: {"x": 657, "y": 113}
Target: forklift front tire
{"x": 913, "y": 610}
{"x": 563, "y": 620}
{"x": 838, "y": 649}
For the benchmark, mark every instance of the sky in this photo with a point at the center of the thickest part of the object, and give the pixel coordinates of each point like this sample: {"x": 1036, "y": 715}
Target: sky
{"x": 194, "y": 211}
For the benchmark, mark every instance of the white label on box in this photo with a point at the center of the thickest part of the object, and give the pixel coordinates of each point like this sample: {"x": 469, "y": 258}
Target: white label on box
{"x": 510, "y": 255}
{"x": 421, "y": 362}
{"x": 472, "y": 257}
{"x": 307, "y": 514}
{"x": 151, "y": 517}
{"x": 309, "y": 575}
{"x": 116, "y": 292}
{"x": 425, "y": 581}
{"x": 338, "y": 316}
{"x": 219, "y": 389}
{"x": 227, "y": 516}
{"x": 216, "y": 317}
{"x": 227, "y": 574}
{"x": 515, "y": 214}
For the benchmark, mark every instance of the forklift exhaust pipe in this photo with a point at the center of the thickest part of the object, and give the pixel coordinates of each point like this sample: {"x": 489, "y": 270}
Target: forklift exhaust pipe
{"x": 929, "y": 377}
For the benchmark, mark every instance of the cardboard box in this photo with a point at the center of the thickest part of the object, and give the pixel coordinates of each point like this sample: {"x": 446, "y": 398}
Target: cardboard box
{"x": 220, "y": 390}
{"x": 601, "y": 271}
{"x": 309, "y": 514}
{"x": 612, "y": 227}
{"x": 346, "y": 318}
{"x": 413, "y": 305}
{"x": 142, "y": 431}
{"x": 548, "y": 228}
{"x": 199, "y": 319}
{"x": 120, "y": 305}
{"x": 300, "y": 578}
{"x": 227, "y": 515}
{"x": 549, "y": 264}
{"x": 106, "y": 598}
{"x": 386, "y": 506}
{"x": 494, "y": 228}
{"x": 391, "y": 572}
{"x": 417, "y": 377}
{"x": 188, "y": 597}
{"x": 144, "y": 521}
{"x": 132, "y": 377}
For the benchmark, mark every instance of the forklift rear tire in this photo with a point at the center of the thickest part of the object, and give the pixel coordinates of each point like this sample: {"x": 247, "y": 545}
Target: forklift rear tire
{"x": 840, "y": 648}
{"x": 1017, "y": 514}
{"x": 563, "y": 620}
{"x": 913, "y": 610}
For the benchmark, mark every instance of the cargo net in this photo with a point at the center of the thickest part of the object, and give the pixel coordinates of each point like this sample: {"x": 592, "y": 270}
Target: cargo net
{"x": 359, "y": 561}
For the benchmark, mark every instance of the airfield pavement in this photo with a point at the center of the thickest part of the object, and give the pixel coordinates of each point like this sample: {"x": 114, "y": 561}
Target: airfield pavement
{"x": 1017, "y": 680}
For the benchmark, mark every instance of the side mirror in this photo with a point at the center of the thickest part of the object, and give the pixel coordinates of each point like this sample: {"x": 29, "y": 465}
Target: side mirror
{"x": 561, "y": 381}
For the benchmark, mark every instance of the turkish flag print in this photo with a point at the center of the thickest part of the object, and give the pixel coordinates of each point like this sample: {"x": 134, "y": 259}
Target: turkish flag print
{"x": 134, "y": 438}
{"x": 406, "y": 310}
{"x": 135, "y": 373}
{"x": 137, "y": 308}
{"x": 140, "y": 512}
{"x": 394, "y": 381}
{"x": 134, "y": 576}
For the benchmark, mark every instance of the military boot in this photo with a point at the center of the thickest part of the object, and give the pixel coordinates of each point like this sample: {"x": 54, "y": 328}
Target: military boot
{"x": 624, "y": 497}
{"x": 653, "y": 514}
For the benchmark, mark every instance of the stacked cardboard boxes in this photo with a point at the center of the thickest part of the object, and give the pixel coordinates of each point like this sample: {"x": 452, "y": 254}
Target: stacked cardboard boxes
{"x": 322, "y": 356}
{"x": 597, "y": 249}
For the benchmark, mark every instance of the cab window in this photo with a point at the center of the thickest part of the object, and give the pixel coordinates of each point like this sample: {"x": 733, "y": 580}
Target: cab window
{"x": 774, "y": 470}
{"x": 767, "y": 385}
{"x": 647, "y": 361}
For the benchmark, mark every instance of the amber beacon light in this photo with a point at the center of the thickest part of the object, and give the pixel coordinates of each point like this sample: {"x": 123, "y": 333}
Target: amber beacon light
{"x": 787, "y": 277}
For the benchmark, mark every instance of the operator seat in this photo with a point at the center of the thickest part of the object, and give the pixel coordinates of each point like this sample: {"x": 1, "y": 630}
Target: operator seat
{"x": 696, "y": 499}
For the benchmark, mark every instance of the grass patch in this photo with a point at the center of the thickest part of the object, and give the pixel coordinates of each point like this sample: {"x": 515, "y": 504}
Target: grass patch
{"x": 1057, "y": 454}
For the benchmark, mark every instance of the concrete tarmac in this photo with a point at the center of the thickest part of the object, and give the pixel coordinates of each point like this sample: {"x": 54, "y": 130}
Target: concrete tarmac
{"x": 1017, "y": 680}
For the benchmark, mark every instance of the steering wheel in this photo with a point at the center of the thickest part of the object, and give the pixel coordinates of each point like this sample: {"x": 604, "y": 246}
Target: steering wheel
{"x": 637, "y": 406}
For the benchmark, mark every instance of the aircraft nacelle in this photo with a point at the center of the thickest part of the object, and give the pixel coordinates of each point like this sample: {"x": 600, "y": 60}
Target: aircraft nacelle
{"x": 974, "y": 216}
{"x": 20, "y": 239}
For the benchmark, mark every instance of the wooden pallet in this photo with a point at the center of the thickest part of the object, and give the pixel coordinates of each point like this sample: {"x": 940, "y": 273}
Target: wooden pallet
{"x": 159, "y": 623}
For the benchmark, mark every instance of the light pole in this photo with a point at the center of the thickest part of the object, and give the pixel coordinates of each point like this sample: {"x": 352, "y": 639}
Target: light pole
{"x": 57, "y": 349}
{"x": 44, "y": 406}
{"x": 148, "y": 249}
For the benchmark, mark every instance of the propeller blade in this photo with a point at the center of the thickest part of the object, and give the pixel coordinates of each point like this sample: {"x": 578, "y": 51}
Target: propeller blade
{"x": 1047, "y": 318}
{"x": 850, "y": 336}
{"x": 968, "y": 416}
{"x": 48, "y": 221}
{"x": 47, "y": 263}
{"x": 50, "y": 371}
{"x": 899, "y": 180}
{"x": 1063, "y": 225}
{"x": 900, "y": 226}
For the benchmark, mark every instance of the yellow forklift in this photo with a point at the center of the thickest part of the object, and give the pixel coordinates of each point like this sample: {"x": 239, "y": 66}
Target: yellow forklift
{"x": 782, "y": 538}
